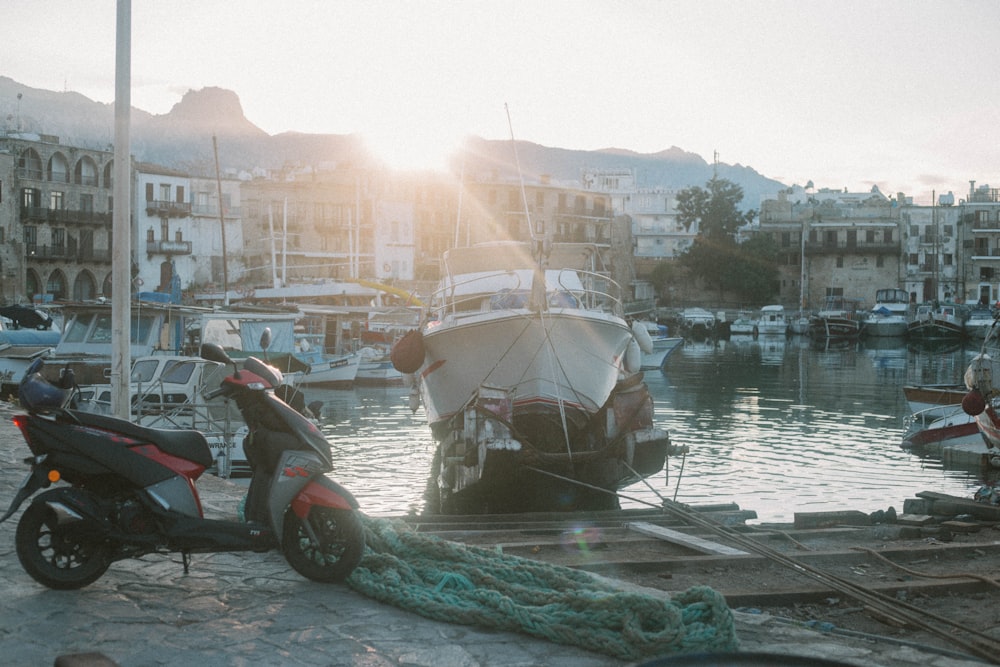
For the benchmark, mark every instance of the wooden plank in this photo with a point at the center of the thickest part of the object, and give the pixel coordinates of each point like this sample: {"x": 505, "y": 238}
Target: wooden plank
{"x": 690, "y": 541}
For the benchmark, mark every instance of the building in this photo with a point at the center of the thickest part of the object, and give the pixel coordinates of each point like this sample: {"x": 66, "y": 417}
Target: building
{"x": 979, "y": 224}
{"x": 835, "y": 246}
{"x": 56, "y": 229}
{"x": 932, "y": 252}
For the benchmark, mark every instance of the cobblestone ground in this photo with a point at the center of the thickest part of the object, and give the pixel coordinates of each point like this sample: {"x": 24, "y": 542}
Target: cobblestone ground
{"x": 252, "y": 609}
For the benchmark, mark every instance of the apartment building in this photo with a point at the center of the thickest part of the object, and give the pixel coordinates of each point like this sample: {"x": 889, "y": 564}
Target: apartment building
{"x": 55, "y": 230}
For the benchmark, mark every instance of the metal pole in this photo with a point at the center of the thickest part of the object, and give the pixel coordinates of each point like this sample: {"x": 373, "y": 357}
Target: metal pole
{"x": 222, "y": 226}
{"x": 121, "y": 264}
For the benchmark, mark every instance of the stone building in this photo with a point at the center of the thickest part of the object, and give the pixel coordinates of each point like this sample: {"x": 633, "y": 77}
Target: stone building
{"x": 835, "y": 246}
{"x": 55, "y": 230}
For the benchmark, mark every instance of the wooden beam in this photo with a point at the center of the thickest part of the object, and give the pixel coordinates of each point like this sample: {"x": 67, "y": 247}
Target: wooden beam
{"x": 690, "y": 541}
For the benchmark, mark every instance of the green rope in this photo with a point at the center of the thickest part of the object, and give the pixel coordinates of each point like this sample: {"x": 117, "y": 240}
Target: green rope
{"x": 457, "y": 583}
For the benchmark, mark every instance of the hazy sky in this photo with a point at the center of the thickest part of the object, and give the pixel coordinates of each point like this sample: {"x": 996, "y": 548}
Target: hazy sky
{"x": 845, "y": 93}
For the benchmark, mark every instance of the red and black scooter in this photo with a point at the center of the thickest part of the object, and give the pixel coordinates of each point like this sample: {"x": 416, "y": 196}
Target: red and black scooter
{"x": 124, "y": 490}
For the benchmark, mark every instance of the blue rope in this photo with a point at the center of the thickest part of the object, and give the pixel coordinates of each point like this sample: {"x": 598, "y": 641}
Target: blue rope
{"x": 469, "y": 585}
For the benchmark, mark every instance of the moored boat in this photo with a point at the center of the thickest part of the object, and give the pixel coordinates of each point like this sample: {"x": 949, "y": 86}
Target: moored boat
{"x": 980, "y": 322}
{"x": 531, "y": 384}
{"x": 937, "y": 322}
{"x": 890, "y": 315}
{"x": 836, "y": 320}
{"x": 661, "y": 344}
{"x": 745, "y": 324}
{"x": 772, "y": 320}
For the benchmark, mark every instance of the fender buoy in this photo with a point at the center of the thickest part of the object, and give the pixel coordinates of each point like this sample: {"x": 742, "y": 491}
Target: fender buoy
{"x": 407, "y": 355}
{"x": 641, "y": 335}
{"x": 973, "y": 403}
{"x": 633, "y": 357}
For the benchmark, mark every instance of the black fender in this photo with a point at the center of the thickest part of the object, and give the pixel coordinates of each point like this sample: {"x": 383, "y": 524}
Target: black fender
{"x": 36, "y": 479}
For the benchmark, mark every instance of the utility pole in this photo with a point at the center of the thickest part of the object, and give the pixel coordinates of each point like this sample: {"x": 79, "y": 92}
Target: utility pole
{"x": 121, "y": 259}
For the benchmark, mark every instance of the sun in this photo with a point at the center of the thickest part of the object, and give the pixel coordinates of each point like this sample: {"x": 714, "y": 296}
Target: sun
{"x": 407, "y": 149}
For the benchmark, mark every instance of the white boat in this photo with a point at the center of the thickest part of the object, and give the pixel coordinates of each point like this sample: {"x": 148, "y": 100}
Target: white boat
{"x": 662, "y": 344}
{"x": 530, "y": 382}
{"x": 979, "y": 323}
{"x": 890, "y": 316}
{"x": 744, "y": 325}
{"x": 697, "y": 321}
{"x": 376, "y": 367}
{"x": 772, "y": 320}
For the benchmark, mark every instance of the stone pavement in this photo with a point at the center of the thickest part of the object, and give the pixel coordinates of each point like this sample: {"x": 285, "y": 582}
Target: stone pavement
{"x": 252, "y": 609}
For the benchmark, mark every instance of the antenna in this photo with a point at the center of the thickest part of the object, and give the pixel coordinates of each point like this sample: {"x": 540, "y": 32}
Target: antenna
{"x": 520, "y": 176}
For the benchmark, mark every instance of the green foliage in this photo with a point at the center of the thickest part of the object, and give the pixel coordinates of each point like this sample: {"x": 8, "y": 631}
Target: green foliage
{"x": 748, "y": 269}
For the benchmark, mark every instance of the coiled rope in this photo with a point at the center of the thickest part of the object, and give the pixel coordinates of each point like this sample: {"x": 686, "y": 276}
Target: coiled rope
{"x": 469, "y": 585}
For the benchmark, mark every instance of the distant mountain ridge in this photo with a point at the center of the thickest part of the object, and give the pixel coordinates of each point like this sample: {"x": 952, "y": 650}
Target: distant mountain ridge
{"x": 182, "y": 139}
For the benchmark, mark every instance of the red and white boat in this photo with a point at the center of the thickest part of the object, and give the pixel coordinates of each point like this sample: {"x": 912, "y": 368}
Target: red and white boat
{"x": 530, "y": 379}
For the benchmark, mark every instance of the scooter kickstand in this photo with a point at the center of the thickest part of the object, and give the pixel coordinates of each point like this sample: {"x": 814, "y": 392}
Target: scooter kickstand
{"x": 186, "y": 559}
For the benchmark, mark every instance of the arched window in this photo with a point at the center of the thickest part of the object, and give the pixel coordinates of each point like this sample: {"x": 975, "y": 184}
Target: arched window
{"x": 109, "y": 174}
{"x": 106, "y": 286}
{"x": 29, "y": 165}
{"x": 56, "y": 284}
{"x": 85, "y": 172}
{"x": 58, "y": 168}
{"x": 84, "y": 287}
{"x": 31, "y": 283}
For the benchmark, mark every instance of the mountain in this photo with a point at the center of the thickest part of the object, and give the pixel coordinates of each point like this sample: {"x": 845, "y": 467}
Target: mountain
{"x": 182, "y": 139}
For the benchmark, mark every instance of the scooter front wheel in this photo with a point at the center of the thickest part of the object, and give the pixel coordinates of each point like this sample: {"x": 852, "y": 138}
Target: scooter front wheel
{"x": 341, "y": 543}
{"x": 58, "y": 556}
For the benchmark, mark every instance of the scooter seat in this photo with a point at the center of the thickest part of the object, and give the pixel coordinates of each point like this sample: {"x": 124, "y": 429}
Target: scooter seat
{"x": 187, "y": 444}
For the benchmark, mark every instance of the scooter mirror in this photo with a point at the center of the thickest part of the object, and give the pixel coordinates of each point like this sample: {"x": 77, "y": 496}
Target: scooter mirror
{"x": 214, "y": 352}
{"x": 265, "y": 338}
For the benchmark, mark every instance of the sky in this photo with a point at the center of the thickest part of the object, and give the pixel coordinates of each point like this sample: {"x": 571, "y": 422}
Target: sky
{"x": 843, "y": 93}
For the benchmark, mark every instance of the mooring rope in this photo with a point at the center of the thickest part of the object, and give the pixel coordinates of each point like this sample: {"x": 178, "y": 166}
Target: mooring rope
{"x": 458, "y": 583}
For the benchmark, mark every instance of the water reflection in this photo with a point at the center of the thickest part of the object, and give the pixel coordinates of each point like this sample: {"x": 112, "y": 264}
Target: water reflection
{"x": 776, "y": 425}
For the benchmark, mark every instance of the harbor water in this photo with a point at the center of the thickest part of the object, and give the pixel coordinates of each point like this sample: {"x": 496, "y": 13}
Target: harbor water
{"x": 776, "y": 425}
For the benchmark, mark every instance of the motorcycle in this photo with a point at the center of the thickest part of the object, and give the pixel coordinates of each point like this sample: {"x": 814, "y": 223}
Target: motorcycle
{"x": 127, "y": 490}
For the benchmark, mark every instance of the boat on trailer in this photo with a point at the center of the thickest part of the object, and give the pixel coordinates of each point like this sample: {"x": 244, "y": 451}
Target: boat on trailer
{"x": 531, "y": 383}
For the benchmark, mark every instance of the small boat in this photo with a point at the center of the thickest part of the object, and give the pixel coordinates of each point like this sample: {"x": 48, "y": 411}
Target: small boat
{"x": 697, "y": 322}
{"x": 890, "y": 315}
{"x": 530, "y": 380}
{"x": 933, "y": 400}
{"x": 980, "y": 322}
{"x": 937, "y": 322}
{"x": 744, "y": 325}
{"x": 662, "y": 345}
{"x": 955, "y": 428}
{"x": 772, "y": 321}
{"x": 376, "y": 368}
{"x": 836, "y": 320}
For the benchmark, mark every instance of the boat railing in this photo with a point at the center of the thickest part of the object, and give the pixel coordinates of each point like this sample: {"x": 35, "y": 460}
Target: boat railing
{"x": 589, "y": 291}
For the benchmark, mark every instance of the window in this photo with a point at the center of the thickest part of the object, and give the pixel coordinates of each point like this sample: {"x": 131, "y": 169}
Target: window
{"x": 87, "y": 203}
{"x": 149, "y": 192}
{"x": 31, "y": 198}
{"x": 879, "y": 261}
{"x": 30, "y": 237}
{"x": 840, "y": 262}
{"x": 870, "y": 236}
{"x": 539, "y": 199}
{"x": 58, "y": 239}
{"x": 164, "y": 191}
{"x": 180, "y": 194}
{"x": 887, "y": 235}
{"x": 57, "y": 201}
{"x": 913, "y": 259}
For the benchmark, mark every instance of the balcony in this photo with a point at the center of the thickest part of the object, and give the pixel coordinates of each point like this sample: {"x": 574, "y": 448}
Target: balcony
{"x": 855, "y": 248}
{"x": 64, "y": 216}
{"x": 66, "y": 253}
{"x": 168, "y": 209}
{"x": 168, "y": 247}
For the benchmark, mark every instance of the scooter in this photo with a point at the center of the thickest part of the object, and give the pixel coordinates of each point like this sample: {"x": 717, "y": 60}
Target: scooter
{"x": 124, "y": 490}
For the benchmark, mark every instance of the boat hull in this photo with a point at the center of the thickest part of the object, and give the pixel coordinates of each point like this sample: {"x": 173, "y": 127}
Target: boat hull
{"x": 529, "y": 412}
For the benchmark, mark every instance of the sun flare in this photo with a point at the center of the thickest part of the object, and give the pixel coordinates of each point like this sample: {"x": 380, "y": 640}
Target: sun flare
{"x": 407, "y": 150}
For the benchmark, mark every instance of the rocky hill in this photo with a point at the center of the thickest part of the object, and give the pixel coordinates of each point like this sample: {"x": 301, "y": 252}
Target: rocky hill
{"x": 182, "y": 139}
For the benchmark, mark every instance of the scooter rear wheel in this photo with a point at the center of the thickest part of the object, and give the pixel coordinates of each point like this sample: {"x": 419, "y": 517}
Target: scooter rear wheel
{"x": 58, "y": 556}
{"x": 341, "y": 543}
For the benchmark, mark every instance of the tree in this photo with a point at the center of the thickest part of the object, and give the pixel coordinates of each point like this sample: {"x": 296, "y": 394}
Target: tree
{"x": 715, "y": 209}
